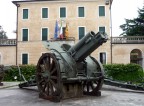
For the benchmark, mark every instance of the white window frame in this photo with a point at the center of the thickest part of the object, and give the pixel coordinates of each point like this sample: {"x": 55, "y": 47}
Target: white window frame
{"x": 78, "y": 30}
{"x": 78, "y": 11}
{"x": 47, "y": 35}
{"x": 22, "y": 57}
{"x": 22, "y": 34}
{"x": 66, "y": 12}
{"x": 28, "y": 13}
{"x": 48, "y": 13}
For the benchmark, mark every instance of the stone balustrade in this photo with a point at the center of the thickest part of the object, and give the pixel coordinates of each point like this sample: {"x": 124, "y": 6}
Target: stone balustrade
{"x": 8, "y": 42}
{"x": 128, "y": 40}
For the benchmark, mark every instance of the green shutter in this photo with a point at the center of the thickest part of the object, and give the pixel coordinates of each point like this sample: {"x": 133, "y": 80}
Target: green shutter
{"x": 24, "y": 58}
{"x": 103, "y": 58}
{"x": 44, "y": 34}
{"x": 25, "y": 13}
{"x": 81, "y": 11}
{"x": 101, "y": 11}
{"x": 25, "y": 35}
{"x": 62, "y": 12}
{"x": 101, "y": 29}
{"x": 81, "y": 32}
{"x": 44, "y": 12}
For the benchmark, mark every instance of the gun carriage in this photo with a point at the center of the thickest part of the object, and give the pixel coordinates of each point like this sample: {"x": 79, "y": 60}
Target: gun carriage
{"x": 69, "y": 71}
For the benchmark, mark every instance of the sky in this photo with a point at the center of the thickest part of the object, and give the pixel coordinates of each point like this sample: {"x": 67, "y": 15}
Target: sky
{"x": 121, "y": 10}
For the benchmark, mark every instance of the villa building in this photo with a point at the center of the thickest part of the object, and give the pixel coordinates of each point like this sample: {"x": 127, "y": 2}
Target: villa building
{"x": 36, "y": 21}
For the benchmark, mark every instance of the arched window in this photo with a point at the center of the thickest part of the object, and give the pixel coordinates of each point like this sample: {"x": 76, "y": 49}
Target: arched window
{"x": 136, "y": 57}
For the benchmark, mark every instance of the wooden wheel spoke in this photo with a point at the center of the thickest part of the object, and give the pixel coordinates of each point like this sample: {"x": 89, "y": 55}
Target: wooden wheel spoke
{"x": 44, "y": 87}
{"x": 54, "y": 77}
{"x": 40, "y": 73}
{"x": 51, "y": 87}
{"x": 91, "y": 85}
{"x": 41, "y": 81}
{"x": 54, "y": 84}
{"x": 48, "y": 88}
{"x": 53, "y": 71}
{"x": 45, "y": 64}
{"x": 87, "y": 87}
{"x": 52, "y": 65}
{"x": 95, "y": 82}
{"x": 48, "y": 62}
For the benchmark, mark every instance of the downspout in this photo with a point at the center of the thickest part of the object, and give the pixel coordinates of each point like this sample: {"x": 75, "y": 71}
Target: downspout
{"x": 111, "y": 32}
{"x": 17, "y": 35}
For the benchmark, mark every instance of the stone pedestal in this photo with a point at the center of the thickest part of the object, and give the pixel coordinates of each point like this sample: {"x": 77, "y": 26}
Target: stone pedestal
{"x": 72, "y": 90}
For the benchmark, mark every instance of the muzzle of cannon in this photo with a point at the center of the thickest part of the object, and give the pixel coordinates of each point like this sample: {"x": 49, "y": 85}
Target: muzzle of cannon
{"x": 69, "y": 71}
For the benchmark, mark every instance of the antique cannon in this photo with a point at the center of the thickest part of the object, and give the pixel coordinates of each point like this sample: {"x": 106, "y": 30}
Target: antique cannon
{"x": 3, "y": 70}
{"x": 69, "y": 71}
{"x": 1, "y": 74}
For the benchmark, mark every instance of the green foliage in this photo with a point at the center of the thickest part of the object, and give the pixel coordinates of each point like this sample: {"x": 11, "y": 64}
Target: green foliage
{"x": 13, "y": 73}
{"x": 134, "y": 27}
{"x": 2, "y": 33}
{"x": 121, "y": 72}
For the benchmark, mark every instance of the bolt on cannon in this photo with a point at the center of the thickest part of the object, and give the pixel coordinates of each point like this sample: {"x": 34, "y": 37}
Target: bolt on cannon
{"x": 69, "y": 71}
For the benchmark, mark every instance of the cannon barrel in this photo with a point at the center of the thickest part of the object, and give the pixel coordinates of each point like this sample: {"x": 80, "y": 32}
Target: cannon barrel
{"x": 87, "y": 45}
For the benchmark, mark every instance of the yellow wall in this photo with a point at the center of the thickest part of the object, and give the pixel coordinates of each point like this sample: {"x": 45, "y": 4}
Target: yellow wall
{"x": 8, "y": 55}
{"x": 121, "y": 52}
{"x": 91, "y": 21}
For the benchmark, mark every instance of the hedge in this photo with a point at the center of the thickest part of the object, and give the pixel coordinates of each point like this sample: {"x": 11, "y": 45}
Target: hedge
{"x": 127, "y": 72}
{"x": 124, "y": 72}
{"x": 13, "y": 72}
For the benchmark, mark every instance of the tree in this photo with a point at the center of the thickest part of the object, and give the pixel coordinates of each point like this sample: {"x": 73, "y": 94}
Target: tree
{"x": 134, "y": 27}
{"x": 2, "y": 33}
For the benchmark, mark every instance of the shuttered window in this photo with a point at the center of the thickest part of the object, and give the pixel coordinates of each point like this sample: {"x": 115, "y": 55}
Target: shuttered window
{"x": 44, "y": 34}
{"x": 103, "y": 57}
{"x": 24, "y": 34}
{"x": 62, "y": 12}
{"x": 24, "y": 58}
{"x": 81, "y": 12}
{"x": 101, "y": 29}
{"x": 81, "y": 32}
{"x": 44, "y": 12}
{"x": 101, "y": 10}
{"x": 25, "y": 13}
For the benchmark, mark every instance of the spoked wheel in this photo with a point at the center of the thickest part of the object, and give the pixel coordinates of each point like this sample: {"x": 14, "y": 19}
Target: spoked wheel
{"x": 48, "y": 77}
{"x": 93, "y": 87}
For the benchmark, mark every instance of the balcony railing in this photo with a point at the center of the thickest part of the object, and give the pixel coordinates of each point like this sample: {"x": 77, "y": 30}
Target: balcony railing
{"x": 128, "y": 40}
{"x": 7, "y": 42}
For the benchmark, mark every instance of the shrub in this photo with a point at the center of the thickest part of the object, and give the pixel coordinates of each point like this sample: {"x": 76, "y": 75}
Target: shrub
{"x": 128, "y": 72}
{"x": 13, "y": 73}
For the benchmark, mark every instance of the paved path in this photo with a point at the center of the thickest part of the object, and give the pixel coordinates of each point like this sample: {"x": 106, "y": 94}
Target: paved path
{"x": 111, "y": 96}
